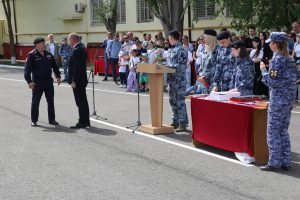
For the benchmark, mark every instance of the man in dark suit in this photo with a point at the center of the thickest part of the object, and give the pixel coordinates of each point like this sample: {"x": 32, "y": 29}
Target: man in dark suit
{"x": 77, "y": 78}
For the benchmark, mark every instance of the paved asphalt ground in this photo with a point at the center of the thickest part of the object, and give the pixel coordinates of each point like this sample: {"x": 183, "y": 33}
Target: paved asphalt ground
{"x": 107, "y": 161}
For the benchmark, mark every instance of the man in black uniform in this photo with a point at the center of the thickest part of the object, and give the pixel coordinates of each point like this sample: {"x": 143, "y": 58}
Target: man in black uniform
{"x": 40, "y": 64}
{"x": 77, "y": 78}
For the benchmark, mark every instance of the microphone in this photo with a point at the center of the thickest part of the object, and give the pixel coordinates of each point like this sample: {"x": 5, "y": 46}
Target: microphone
{"x": 156, "y": 46}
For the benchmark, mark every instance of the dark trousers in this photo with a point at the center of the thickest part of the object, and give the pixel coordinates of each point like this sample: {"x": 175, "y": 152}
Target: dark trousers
{"x": 82, "y": 104}
{"x": 48, "y": 89}
{"x": 114, "y": 62}
{"x": 259, "y": 88}
{"x": 106, "y": 62}
{"x": 123, "y": 78}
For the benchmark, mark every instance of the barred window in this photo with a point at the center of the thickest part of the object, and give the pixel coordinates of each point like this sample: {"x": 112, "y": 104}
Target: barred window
{"x": 204, "y": 9}
{"x": 239, "y": 7}
{"x": 95, "y": 19}
{"x": 121, "y": 12}
{"x": 228, "y": 11}
{"x": 144, "y": 13}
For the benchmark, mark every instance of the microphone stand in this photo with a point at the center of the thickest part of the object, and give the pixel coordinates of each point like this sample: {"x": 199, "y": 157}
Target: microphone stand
{"x": 138, "y": 122}
{"x": 93, "y": 86}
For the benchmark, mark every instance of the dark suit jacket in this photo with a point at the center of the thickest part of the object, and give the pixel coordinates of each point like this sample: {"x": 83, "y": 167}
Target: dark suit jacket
{"x": 77, "y": 66}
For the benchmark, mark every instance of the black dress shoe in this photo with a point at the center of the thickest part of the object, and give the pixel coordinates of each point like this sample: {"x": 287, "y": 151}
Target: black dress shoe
{"x": 55, "y": 123}
{"x": 79, "y": 125}
{"x": 175, "y": 125}
{"x": 105, "y": 79}
{"x": 268, "y": 168}
{"x": 286, "y": 168}
{"x": 34, "y": 124}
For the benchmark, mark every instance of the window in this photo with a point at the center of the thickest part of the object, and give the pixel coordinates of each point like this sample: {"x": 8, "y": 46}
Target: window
{"x": 240, "y": 7}
{"x": 144, "y": 13}
{"x": 95, "y": 19}
{"x": 121, "y": 12}
{"x": 204, "y": 9}
{"x": 228, "y": 11}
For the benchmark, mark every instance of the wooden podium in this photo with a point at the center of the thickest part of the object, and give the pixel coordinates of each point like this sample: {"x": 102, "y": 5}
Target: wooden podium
{"x": 156, "y": 81}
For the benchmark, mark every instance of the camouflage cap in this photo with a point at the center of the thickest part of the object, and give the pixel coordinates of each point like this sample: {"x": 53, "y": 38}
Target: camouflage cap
{"x": 277, "y": 37}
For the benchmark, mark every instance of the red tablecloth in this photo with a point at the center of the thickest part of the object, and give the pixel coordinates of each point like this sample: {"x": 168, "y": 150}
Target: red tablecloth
{"x": 223, "y": 125}
{"x": 99, "y": 67}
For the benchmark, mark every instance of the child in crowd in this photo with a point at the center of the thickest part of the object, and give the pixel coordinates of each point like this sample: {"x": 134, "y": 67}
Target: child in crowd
{"x": 159, "y": 56}
{"x": 131, "y": 80}
{"x": 144, "y": 76}
{"x": 151, "y": 52}
{"x": 122, "y": 69}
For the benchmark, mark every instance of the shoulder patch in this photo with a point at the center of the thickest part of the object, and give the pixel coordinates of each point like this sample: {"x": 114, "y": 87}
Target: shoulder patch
{"x": 273, "y": 73}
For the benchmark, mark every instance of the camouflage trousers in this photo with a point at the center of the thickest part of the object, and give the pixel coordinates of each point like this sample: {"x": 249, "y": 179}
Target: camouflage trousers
{"x": 177, "y": 92}
{"x": 277, "y": 135}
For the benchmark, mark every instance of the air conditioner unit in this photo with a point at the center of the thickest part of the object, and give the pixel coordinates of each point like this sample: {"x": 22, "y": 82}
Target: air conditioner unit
{"x": 79, "y": 7}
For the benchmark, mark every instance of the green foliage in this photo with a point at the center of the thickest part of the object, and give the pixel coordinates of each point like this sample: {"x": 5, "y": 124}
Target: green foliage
{"x": 107, "y": 12}
{"x": 264, "y": 14}
{"x": 105, "y": 9}
{"x": 155, "y": 6}
{"x": 170, "y": 13}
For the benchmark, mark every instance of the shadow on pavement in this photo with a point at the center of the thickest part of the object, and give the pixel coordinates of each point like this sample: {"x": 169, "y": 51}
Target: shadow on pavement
{"x": 186, "y": 137}
{"x": 101, "y": 131}
{"x": 181, "y": 137}
{"x": 65, "y": 129}
{"x": 57, "y": 129}
{"x": 294, "y": 172}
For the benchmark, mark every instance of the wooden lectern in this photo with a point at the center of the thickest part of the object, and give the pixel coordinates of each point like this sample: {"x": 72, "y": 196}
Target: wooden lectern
{"x": 156, "y": 82}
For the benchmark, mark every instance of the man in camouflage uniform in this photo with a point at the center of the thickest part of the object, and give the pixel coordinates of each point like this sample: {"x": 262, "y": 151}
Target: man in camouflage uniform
{"x": 177, "y": 59}
{"x": 65, "y": 52}
{"x": 281, "y": 79}
{"x": 224, "y": 66}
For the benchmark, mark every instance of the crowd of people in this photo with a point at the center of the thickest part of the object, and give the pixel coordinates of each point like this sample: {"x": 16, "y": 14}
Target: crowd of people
{"x": 222, "y": 60}
{"x": 261, "y": 64}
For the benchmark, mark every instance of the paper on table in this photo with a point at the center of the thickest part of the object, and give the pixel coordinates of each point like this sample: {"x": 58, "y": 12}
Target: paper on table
{"x": 223, "y": 96}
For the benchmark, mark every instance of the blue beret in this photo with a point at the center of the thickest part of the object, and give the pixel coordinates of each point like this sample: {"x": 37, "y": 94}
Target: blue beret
{"x": 277, "y": 37}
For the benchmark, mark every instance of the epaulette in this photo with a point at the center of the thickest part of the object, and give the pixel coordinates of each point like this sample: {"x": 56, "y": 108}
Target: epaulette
{"x": 32, "y": 51}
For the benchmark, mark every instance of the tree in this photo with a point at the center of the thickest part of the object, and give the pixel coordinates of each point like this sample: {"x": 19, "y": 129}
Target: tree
{"x": 264, "y": 14}
{"x": 8, "y": 14}
{"x": 170, "y": 13}
{"x": 107, "y": 12}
